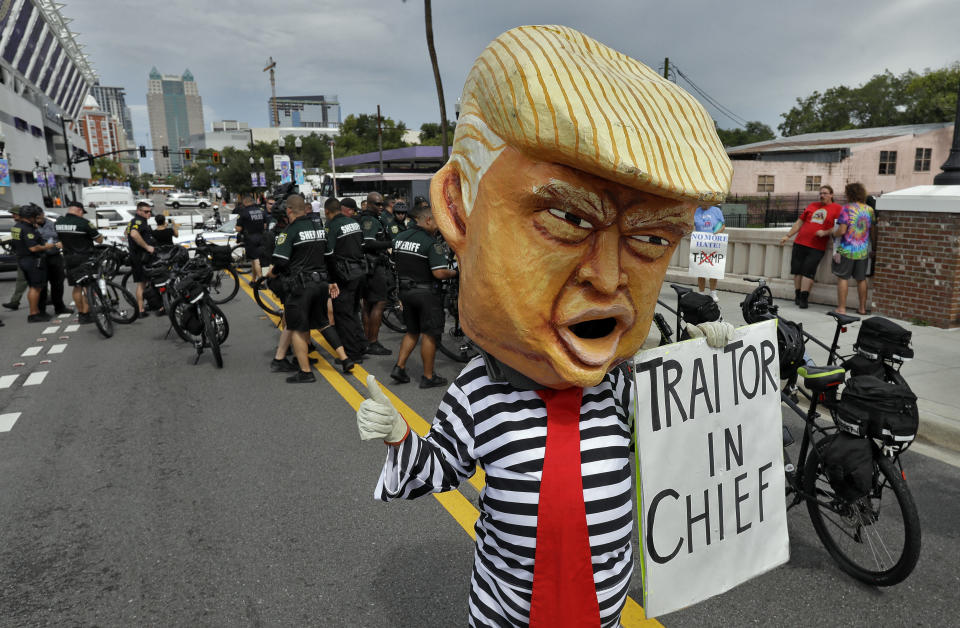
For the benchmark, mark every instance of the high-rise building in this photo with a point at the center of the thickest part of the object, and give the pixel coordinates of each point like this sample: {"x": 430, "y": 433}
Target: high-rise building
{"x": 113, "y": 100}
{"x": 176, "y": 112}
{"x": 306, "y": 111}
{"x": 104, "y": 133}
{"x": 44, "y": 77}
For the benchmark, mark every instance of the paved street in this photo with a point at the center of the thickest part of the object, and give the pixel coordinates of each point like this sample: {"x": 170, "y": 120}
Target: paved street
{"x": 137, "y": 488}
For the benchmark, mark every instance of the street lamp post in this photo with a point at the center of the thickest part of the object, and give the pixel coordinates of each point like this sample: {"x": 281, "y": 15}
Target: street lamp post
{"x": 333, "y": 168}
{"x": 45, "y": 184}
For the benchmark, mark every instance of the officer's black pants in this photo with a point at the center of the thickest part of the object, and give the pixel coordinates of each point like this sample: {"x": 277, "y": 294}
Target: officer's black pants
{"x": 56, "y": 275}
{"x": 346, "y": 314}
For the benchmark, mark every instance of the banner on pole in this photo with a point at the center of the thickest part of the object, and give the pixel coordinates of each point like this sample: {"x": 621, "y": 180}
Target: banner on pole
{"x": 708, "y": 254}
{"x": 710, "y": 467}
{"x": 298, "y": 172}
{"x": 4, "y": 173}
{"x": 263, "y": 179}
{"x": 51, "y": 180}
{"x": 285, "y": 172}
{"x": 253, "y": 179}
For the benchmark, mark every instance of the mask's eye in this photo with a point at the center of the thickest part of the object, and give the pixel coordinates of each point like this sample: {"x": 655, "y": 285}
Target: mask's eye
{"x": 571, "y": 218}
{"x": 648, "y": 246}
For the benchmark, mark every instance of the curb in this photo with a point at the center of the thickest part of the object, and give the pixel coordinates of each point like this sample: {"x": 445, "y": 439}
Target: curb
{"x": 938, "y": 431}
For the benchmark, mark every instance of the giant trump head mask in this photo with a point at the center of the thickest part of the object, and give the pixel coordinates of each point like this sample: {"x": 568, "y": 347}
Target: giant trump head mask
{"x": 574, "y": 174}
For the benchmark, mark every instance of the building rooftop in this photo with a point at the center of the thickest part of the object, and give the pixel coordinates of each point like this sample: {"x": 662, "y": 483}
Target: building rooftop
{"x": 412, "y": 157}
{"x": 833, "y": 140}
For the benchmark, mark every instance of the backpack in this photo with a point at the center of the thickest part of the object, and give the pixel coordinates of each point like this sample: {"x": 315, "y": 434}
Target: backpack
{"x": 884, "y": 338}
{"x": 883, "y": 410}
{"x": 848, "y": 465}
{"x": 698, "y": 308}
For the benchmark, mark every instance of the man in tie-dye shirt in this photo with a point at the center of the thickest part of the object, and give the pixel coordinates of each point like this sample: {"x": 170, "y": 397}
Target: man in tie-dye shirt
{"x": 854, "y": 229}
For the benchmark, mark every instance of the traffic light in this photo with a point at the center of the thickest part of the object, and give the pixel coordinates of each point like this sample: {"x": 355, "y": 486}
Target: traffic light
{"x": 186, "y": 154}
{"x": 165, "y": 151}
{"x": 216, "y": 157}
{"x": 143, "y": 152}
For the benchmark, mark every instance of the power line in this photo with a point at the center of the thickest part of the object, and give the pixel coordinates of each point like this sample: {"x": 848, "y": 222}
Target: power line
{"x": 709, "y": 99}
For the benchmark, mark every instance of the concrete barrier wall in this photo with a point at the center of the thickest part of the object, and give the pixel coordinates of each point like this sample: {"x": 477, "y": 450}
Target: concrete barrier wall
{"x": 757, "y": 253}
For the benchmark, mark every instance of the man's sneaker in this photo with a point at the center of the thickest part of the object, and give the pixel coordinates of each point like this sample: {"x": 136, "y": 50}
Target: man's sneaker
{"x": 399, "y": 375}
{"x": 85, "y": 318}
{"x": 282, "y": 366}
{"x": 301, "y": 377}
{"x": 356, "y": 359}
{"x": 38, "y": 318}
{"x": 64, "y": 310}
{"x": 713, "y": 295}
{"x": 12, "y": 306}
{"x": 375, "y": 348}
{"x": 433, "y": 382}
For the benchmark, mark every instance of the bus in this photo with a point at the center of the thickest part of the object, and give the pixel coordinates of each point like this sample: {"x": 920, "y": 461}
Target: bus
{"x": 357, "y": 185}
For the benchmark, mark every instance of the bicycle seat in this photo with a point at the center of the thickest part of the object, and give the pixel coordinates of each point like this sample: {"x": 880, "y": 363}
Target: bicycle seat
{"x": 680, "y": 290}
{"x": 843, "y": 319}
{"x": 819, "y": 378}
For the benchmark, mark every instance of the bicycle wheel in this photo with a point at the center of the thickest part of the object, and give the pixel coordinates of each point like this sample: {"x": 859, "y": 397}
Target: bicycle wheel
{"x": 211, "y": 333}
{"x": 266, "y": 301}
{"x": 123, "y": 305}
{"x": 875, "y": 539}
{"x": 238, "y": 253}
{"x": 179, "y": 312}
{"x": 224, "y": 285}
{"x": 125, "y": 279}
{"x": 101, "y": 315}
{"x": 393, "y": 317}
{"x": 454, "y": 344}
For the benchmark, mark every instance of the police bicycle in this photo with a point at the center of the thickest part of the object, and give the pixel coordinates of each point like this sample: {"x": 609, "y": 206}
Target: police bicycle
{"x": 109, "y": 302}
{"x": 848, "y": 473}
{"x": 453, "y": 342}
{"x": 393, "y": 311}
{"x": 195, "y": 316}
{"x": 692, "y": 307}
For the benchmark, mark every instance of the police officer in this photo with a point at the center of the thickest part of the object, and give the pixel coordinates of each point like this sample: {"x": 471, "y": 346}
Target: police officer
{"x": 420, "y": 262}
{"x": 53, "y": 291}
{"x": 345, "y": 242}
{"x": 141, "y": 243}
{"x": 301, "y": 260}
{"x": 77, "y": 235}
{"x": 21, "y": 285}
{"x": 31, "y": 252}
{"x": 252, "y": 221}
{"x": 375, "y": 245}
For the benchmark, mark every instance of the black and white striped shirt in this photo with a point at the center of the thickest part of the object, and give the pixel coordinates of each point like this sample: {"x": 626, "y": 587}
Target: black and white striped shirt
{"x": 504, "y": 429}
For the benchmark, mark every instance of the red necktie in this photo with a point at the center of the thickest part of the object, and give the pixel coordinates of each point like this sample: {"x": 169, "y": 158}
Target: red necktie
{"x": 564, "y": 594}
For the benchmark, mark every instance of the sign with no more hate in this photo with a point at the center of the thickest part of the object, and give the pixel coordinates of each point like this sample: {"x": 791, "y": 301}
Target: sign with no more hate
{"x": 708, "y": 254}
{"x": 710, "y": 467}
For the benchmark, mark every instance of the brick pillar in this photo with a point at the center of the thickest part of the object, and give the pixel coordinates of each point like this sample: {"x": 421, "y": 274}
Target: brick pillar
{"x": 917, "y": 274}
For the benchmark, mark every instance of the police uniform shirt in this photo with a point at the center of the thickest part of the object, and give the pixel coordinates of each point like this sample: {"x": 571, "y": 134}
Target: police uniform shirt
{"x": 252, "y": 219}
{"x": 142, "y": 226}
{"x": 417, "y": 254}
{"x": 23, "y": 236}
{"x": 502, "y": 427}
{"x": 345, "y": 238}
{"x": 391, "y": 224}
{"x": 375, "y": 237}
{"x": 77, "y": 234}
{"x": 302, "y": 247}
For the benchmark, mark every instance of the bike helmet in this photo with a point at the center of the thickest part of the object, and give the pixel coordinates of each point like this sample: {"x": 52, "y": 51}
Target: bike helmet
{"x": 791, "y": 347}
{"x": 758, "y": 306}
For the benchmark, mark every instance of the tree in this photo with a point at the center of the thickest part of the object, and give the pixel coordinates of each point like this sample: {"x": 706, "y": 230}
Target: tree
{"x": 884, "y": 100}
{"x": 432, "y": 50}
{"x": 753, "y": 132}
{"x": 431, "y": 134}
{"x": 358, "y": 135}
{"x": 197, "y": 177}
{"x": 106, "y": 168}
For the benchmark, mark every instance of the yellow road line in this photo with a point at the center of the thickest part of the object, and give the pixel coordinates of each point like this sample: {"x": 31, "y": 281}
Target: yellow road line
{"x": 459, "y": 507}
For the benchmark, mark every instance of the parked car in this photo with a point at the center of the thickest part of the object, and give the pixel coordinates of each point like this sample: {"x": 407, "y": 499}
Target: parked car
{"x": 8, "y": 261}
{"x": 178, "y": 199}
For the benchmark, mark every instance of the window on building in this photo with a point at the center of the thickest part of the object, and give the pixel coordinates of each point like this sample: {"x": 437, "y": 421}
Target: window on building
{"x": 888, "y": 162}
{"x": 921, "y": 163}
{"x": 765, "y": 183}
{"x": 35, "y": 130}
{"x": 813, "y": 183}
{"x": 21, "y": 124}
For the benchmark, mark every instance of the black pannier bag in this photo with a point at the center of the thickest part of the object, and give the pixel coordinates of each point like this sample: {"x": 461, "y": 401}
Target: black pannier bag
{"x": 699, "y": 308}
{"x": 872, "y": 407}
{"x": 862, "y": 365}
{"x": 220, "y": 257}
{"x": 884, "y": 338}
{"x": 848, "y": 465}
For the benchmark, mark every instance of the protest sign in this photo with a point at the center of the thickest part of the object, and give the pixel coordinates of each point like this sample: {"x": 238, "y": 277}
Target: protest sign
{"x": 708, "y": 254}
{"x": 710, "y": 467}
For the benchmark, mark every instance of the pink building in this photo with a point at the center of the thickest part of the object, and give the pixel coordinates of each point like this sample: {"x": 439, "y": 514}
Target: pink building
{"x": 883, "y": 159}
{"x": 101, "y": 129}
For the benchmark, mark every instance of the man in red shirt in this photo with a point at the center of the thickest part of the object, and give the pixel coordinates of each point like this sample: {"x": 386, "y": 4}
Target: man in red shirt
{"x": 813, "y": 230}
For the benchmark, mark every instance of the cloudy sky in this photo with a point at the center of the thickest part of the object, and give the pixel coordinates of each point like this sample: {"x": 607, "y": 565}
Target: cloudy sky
{"x": 754, "y": 57}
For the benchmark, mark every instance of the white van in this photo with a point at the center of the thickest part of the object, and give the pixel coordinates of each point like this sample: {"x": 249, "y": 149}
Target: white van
{"x": 108, "y": 196}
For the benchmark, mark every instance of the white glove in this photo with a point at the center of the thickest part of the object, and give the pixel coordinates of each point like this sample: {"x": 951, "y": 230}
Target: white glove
{"x": 717, "y": 333}
{"x": 377, "y": 418}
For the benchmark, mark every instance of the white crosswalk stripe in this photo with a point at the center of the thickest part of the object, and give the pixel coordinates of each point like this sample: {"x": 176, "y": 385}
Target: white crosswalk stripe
{"x": 7, "y": 421}
{"x": 6, "y": 381}
{"x": 31, "y": 351}
{"x": 57, "y": 348}
{"x": 36, "y": 378}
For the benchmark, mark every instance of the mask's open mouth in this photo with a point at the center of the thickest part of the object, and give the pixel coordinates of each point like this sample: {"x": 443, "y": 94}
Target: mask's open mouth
{"x": 595, "y": 328}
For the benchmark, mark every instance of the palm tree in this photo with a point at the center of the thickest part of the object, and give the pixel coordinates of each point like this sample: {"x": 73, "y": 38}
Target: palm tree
{"x": 428, "y": 20}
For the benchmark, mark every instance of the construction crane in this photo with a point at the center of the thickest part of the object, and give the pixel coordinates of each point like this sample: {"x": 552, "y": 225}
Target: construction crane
{"x": 271, "y": 64}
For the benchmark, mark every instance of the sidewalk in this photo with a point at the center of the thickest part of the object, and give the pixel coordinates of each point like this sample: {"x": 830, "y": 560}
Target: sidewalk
{"x": 934, "y": 374}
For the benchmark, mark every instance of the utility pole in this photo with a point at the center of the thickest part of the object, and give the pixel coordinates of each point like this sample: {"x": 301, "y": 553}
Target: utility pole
{"x": 380, "y": 138}
{"x": 666, "y": 68}
{"x": 66, "y": 144}
{"x": 271, "y": 64}
{"x": 333, "y": 168}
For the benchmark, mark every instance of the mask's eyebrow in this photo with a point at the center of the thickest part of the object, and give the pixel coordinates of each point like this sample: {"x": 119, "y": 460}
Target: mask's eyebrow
{"x": 566, "y": 195}
{"x": 678, "y": 219}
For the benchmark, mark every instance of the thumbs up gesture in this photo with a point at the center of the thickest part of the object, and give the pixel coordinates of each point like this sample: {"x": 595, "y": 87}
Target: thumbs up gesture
{"x": 377, "y": 418}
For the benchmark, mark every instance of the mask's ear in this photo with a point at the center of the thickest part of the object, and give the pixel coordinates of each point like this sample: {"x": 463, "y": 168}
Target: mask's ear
{"x": 446, "y": 199}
